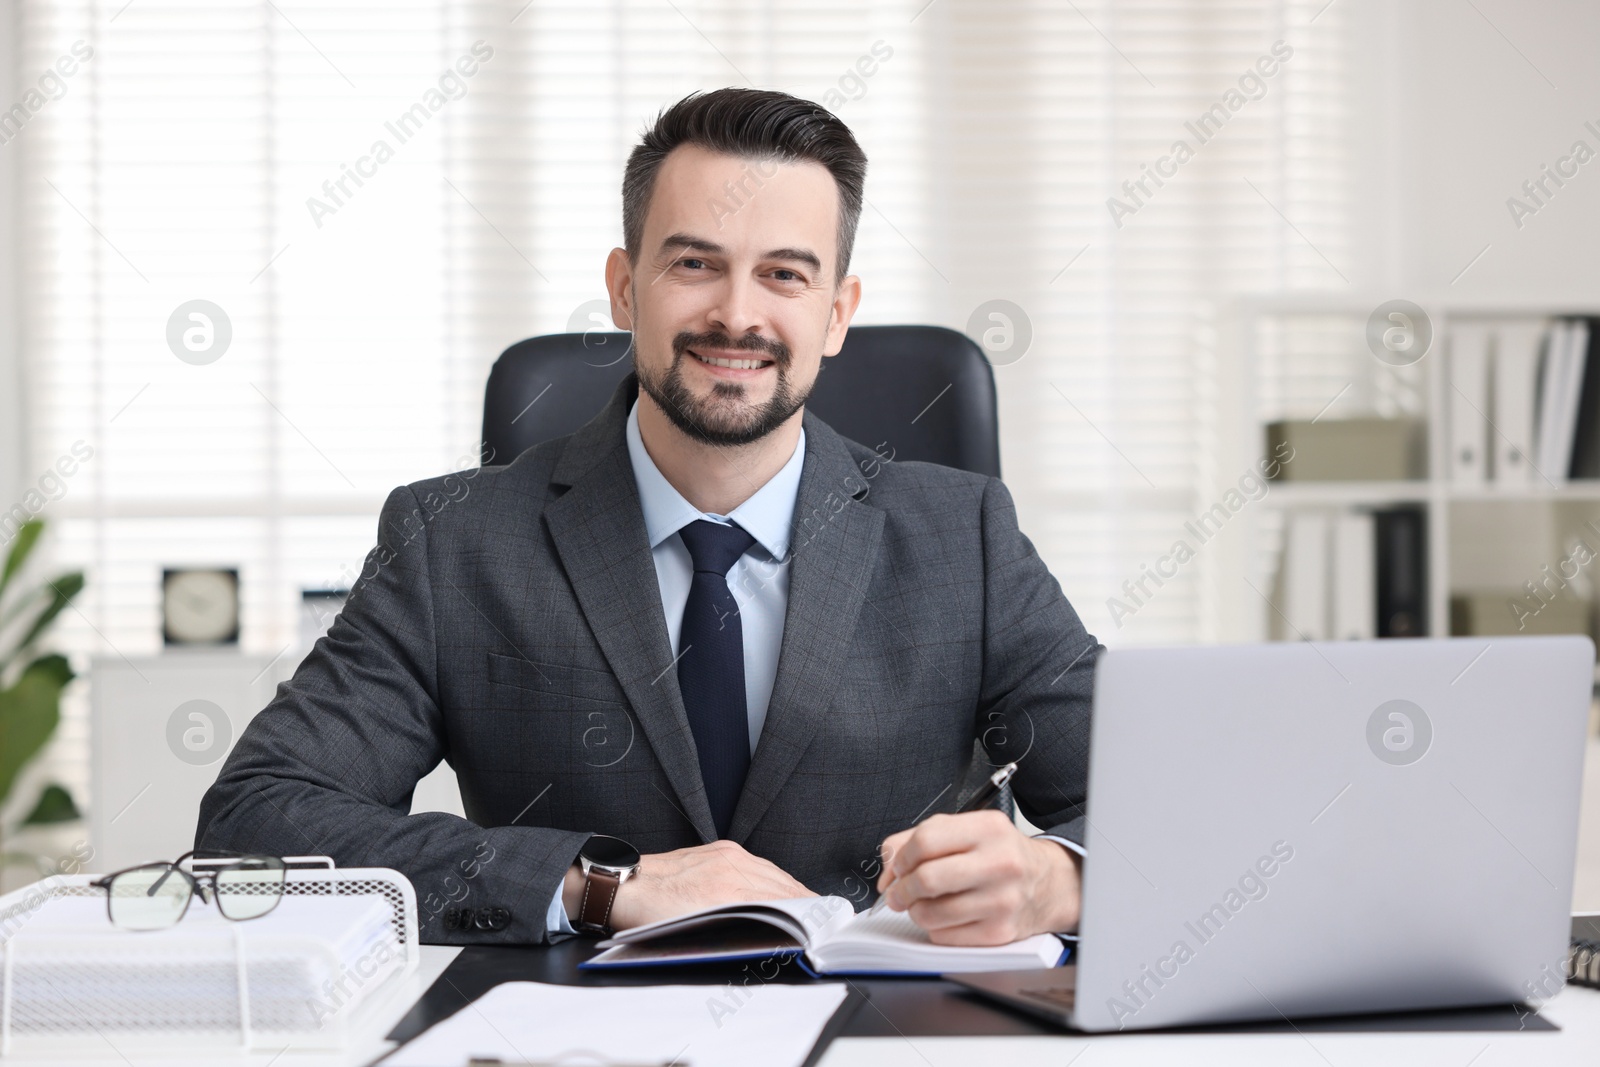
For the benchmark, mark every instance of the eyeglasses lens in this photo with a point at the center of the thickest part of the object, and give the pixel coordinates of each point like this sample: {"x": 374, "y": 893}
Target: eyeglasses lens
{"x": 149, "y": 898}
{"x": 250, "y": 889}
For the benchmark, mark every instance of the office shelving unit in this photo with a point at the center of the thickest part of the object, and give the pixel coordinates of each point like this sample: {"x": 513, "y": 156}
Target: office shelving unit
{"x": 1274, "y": 353}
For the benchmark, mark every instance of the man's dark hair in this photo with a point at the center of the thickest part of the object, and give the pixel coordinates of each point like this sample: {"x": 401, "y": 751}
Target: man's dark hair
{"x": 754, "y": 124}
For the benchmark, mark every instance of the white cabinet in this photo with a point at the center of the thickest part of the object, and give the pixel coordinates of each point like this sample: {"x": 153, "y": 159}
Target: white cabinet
{"x": 160, "y": 727}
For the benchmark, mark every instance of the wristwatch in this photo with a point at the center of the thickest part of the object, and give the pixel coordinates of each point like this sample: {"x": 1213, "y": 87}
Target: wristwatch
{"x": 606, "y": 862}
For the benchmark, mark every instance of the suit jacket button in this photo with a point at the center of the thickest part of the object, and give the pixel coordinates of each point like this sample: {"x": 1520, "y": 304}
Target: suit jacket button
{"x": 499, "y": 918}
{"x": 452, "y": 919}
{"x": 481, "y": 919}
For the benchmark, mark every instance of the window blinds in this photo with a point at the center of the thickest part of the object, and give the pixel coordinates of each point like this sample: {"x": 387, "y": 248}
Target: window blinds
{"x": 228, "y": 152}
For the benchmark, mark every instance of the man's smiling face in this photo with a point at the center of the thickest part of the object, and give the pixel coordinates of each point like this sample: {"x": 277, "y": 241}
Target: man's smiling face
{"x": 733, "y": 302}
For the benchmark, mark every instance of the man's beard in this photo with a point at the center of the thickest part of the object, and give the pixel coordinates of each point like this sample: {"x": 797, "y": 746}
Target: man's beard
{"x": 710, "y": 421}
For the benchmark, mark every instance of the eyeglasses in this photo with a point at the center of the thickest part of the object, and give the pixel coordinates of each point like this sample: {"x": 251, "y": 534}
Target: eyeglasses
{"x": 156, "y": 895}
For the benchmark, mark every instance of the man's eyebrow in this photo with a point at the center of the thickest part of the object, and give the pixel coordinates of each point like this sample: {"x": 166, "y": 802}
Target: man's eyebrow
{"x": 798, "y": 255}
{"x": 683, "y": 242}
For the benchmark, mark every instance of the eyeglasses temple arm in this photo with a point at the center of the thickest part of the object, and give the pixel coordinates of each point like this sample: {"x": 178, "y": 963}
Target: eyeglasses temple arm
{"x": 159, "y": 882}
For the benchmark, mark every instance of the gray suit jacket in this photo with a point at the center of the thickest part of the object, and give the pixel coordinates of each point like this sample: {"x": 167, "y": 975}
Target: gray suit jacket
{"x": 509, "y": 622}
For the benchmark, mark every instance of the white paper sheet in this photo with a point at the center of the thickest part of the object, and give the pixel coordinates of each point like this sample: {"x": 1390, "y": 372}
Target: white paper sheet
{"x": 699, "y": 1026}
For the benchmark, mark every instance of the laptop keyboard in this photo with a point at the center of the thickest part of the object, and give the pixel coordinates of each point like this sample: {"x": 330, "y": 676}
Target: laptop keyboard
{"x": 1061, "y": 998}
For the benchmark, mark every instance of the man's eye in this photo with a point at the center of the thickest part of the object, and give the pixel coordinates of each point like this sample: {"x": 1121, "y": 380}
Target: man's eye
{"x": 792, "y": 276}
{"x": 691, "y": 263}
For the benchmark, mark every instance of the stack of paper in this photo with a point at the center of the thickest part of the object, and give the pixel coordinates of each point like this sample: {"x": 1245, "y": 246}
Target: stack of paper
{"x": 705, "y": 1025}
{"x": 306, "y": 962}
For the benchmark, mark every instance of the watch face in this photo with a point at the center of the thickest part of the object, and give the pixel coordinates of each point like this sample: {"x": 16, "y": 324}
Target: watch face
{"x": 610, "y": 852}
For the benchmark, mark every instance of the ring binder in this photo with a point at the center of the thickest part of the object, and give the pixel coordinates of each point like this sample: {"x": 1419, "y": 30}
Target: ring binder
{"x": 1583, "y": 954}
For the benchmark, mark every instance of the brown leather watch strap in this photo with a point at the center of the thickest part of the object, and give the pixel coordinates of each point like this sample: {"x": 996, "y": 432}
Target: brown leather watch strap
{"x": 599, "y": 893}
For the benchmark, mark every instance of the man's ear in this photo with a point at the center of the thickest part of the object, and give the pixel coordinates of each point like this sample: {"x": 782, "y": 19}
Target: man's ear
{"x": 619, "y": 286}
{"x": 845, "y": 301}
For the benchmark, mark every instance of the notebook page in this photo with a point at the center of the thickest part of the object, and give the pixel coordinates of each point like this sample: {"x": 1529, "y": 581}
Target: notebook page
{"x": 887, "y": 927}
{"x": 891, "y": 941}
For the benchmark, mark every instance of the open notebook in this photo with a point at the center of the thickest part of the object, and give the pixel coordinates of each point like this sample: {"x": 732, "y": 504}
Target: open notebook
{"x": 826, "y": 932}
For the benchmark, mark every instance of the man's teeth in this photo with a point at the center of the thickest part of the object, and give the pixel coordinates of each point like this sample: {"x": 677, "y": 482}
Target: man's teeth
{"x": 733, "y": 364}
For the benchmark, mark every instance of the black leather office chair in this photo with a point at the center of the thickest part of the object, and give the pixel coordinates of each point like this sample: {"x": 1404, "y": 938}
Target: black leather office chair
{"x": 910, "y": 392}
{"x": 925, "y": 392}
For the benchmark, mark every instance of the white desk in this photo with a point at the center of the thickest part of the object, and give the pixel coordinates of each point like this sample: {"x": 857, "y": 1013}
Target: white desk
{"x": 1576, "y": 1011}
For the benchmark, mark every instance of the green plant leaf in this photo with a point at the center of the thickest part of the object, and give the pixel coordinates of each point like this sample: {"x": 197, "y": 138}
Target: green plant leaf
{"x": 63, "y": 589}
{"x": 55, "y": 805}
{"x": 29, "y": 712}
{"x": 27, "y": 535}
{"x": 53, "y": 665}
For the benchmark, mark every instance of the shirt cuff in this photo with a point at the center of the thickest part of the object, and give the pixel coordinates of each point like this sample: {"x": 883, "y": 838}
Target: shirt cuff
{"x": 555, "y": 917}
{"x": 1071, "y": 846}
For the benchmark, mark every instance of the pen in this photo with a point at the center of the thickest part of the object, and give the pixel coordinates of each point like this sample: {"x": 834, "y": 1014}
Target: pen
{"x": 976, "y": 802}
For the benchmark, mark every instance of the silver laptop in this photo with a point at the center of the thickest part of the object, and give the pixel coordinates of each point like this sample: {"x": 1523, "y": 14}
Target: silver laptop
{"x": 1290, "y": 830}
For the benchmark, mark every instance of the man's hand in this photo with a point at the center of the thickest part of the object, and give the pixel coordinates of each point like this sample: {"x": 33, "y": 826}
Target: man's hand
{"x": 975, "y": 879}
{"x": 675, "y": 883}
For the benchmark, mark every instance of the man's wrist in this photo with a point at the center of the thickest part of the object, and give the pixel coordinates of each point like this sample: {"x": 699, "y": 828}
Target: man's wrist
{"x": 1061, "y": 885}
{"x": 624, "y": 908}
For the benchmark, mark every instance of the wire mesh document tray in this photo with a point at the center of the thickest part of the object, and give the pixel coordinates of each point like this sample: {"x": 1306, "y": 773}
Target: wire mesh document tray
{"x": 71, "y": 981}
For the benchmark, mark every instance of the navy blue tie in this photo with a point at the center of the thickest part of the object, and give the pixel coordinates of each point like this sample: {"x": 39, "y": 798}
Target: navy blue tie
{"x": 711, "y": 666}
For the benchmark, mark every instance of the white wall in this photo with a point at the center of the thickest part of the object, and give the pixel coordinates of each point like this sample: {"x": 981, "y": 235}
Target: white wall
{"x": 1483, "y": 107}
{"x": 1478, "y": 119}
{"x": 1451, "y": 111}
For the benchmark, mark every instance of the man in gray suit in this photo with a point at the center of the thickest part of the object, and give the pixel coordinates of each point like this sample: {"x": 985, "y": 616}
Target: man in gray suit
{"x": 705, "y": 649}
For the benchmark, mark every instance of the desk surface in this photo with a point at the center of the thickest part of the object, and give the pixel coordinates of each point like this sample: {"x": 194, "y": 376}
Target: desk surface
{"x": 894, "y": 1007}
{"x": 922, "y": 1022}
{"x": 1575, "y": 1013}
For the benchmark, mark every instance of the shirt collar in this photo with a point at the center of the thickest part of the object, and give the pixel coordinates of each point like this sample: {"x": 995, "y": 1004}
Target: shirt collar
{"x": 767, "y": 516}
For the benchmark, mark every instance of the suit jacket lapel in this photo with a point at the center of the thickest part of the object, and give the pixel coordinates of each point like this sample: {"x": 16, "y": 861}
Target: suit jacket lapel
{"x": 833, "y": 552}
{"x": 598, "y": 530}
